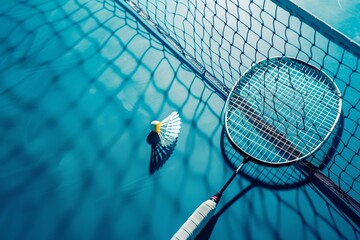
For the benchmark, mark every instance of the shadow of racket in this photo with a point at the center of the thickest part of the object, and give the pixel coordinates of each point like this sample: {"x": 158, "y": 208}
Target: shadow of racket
{"x": 279, "y": 113}
{"x": 281, "y": 178}
{"x": 300, "y": 173}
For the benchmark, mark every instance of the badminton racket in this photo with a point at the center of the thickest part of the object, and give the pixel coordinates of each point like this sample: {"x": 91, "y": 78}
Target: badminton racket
{"x": 280, "y": 111}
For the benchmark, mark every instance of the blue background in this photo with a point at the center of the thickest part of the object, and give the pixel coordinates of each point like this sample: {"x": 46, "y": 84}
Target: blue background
{"x": 79, "y": 84}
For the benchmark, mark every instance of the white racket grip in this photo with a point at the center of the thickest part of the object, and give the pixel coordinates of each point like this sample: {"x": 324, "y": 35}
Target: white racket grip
{"x": 193, "y": 225}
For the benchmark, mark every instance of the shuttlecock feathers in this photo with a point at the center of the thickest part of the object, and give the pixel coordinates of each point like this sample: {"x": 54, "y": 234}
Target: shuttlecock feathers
{"x": 168, "y": 129}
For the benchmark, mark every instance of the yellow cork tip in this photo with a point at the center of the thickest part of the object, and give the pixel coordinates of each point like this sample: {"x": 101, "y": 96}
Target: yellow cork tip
{"x": 157, "y": 127}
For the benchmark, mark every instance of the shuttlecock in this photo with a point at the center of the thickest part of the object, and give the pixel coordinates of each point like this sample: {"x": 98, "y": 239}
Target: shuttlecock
{"x": 168, "y": 129}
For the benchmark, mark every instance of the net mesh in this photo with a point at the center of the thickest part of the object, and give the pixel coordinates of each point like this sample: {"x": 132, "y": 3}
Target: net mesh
{"x": 223, "y": 39}
{"x": 80, "y": 81}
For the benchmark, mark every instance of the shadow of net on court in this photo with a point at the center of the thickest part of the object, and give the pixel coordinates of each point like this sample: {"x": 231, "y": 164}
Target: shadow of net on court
{"x": 81, "y": 81}
{"x": 223, "y": 39}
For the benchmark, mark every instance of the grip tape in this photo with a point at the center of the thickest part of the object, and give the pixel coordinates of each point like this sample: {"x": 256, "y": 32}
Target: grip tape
{"x": 194, "y": 224}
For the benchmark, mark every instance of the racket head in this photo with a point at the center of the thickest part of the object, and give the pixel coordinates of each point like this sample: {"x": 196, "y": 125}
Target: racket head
{"x": 281, "y": 110}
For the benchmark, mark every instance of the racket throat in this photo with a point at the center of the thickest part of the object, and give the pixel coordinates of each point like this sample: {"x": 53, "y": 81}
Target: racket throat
{"x": 217, "y": 196}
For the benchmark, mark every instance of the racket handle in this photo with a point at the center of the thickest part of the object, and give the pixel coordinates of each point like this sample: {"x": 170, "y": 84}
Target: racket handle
{"x": 194, "y": 224}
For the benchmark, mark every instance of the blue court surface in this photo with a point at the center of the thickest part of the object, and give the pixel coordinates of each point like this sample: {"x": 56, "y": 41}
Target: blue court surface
{"x": 80, "y": 82}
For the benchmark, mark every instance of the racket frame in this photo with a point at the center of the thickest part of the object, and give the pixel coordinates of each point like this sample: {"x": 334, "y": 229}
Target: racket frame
{"x": 248, "y": 156}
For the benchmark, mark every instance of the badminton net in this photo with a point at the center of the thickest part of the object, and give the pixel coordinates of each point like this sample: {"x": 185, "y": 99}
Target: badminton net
{"x": 220, "y": 40}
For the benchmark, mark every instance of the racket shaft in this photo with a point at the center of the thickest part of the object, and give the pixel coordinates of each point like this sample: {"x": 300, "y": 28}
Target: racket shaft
{"x": 195, "y": 223}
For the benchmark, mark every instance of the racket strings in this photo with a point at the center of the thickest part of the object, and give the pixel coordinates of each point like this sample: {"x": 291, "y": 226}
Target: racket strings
{"x": 301, "y": 116}
{"x": 287, "y": 103}
{"x": 303, "y": 90}
{"x": 314, "y": 92}
{"x": 324, "y": 97}
{"x": 269, "y": 133}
